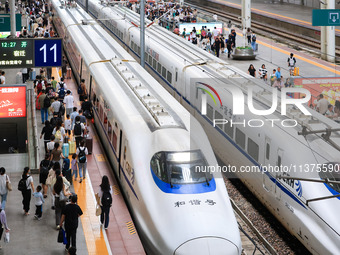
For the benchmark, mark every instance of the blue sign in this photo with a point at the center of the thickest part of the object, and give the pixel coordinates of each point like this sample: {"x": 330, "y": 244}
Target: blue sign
{"x": 48, "y": 52}
{"x": 326, "y": 17}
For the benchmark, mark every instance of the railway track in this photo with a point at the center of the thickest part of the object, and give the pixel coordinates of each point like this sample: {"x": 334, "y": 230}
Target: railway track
{"x": 288, "y": 37}
{"x": 263, "y": 226}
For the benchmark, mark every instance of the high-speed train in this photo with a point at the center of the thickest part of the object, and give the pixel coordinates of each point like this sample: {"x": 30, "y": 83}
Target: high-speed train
{"x": 154, "y": 145}
{"x": 286, "y": 157}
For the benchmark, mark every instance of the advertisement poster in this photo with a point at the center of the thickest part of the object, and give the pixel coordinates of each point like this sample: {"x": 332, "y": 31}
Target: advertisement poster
{"x": 12, "y": 102}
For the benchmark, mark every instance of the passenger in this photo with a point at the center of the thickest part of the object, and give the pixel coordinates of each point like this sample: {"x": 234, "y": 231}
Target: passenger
{"x": 184, "y": 33}
{"x": 105, "y": 198}
{"x": 51, "y": 179}
{"x": 82, "y": 92}
{"x": 2, "y": 78}
{"x": 253, "y": 41}
{"x": 82, "y": 117}
{"x": 222, "y": 43}
{"x": 39, "y": 200}
{"x": 3, "y": 221}
{"x": 73, "y": 116}
{"x": 278, "y": 77}
{"x": 322, "y": 104}
{"x": 70, "y": 216}
{"x": 69, "y": 102}
{"x": 4, "y": 179}
{"x": 291, "y": 64}
{"x": 217, "y": 46}
{"x": 233, "y": 37}
{"x": 215, "y": 33}
{"x": 329, "y": 114}
{"x": 78, "y": 131}
{"x": 54, "y": 83}
{"x": 59, "y": 133}
{"x": 55, "y": 106}
{"x": 82, "y": 161}
{"x": 50, "y": 145}
{"x": 43, "y": 172}
{"x": 61, "y": 196}
{"x": 74, "y": 166}
{"x": 47, "y": 132}
{"x": 229, "y": 45}
{"x": 57, "y": 154}
{"x": 272, "y": 78}
{"x": 86, "y": 106}
{"x": 68, "y": 125}
{"x": 263, "y": 72}
{"x": 26, "y": 194}
{"x": 248, "y": 34}
{"x": 252, "y": 70}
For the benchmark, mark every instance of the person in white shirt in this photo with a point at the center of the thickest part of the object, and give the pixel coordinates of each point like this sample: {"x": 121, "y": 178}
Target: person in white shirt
{"x": 68, "y": 101}
{"x": 82, "y": 161}
{"x": 68, "y": 125}
{"x": 215, "y": 33}
{"x": 2, "y": 78}
{"x": 322, "y": 104}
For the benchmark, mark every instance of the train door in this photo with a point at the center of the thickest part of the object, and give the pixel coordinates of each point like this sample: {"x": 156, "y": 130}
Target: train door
{"x": 280, "y": 153}
{"x": 267, "y": 183}
{"x": 120, "y": 153}
{"x": 175, "y": 82}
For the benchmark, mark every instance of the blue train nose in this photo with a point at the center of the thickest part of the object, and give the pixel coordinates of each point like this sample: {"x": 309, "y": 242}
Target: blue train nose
{"x": 207, "y": 245}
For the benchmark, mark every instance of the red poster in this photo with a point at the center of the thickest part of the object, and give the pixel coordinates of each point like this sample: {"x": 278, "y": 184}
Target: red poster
{"x": 12, "y": 102}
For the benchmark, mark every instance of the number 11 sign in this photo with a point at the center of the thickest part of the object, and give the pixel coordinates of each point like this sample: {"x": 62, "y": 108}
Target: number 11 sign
{"x": 48, "y": 52}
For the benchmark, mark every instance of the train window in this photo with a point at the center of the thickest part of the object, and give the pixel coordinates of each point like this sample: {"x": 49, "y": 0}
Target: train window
{"x": 253, "y": 149}
{"x": 219, "y": 116}
{"x": 176, "y": 76}
{"x": 132, "y": 44}
{"x": 94, "y": 98}
{"x": 331, "y": 171}
{"x": 138, "y": 48}
{"x": 169, "y": 77}
{"x": 150, "y": 60}
{"x": 279, "y": 162}
{"x": 163, "y": 72}
{"x": 240, "y": 138}
{"x": 267, "y": 151}
{"x": 180, "y": 167}
{"x": 210, "y": 112}
{"x": 154, "y": 63}
{"x": 229, "y": 130}
{"x": 105, "y": 122}
{"x": 159, "y": 68}
{"x": 114, "y": 140}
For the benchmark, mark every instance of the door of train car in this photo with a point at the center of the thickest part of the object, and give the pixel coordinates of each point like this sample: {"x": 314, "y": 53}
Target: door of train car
{"x": 280, "y": 153}
{"x": 267, "y": 183}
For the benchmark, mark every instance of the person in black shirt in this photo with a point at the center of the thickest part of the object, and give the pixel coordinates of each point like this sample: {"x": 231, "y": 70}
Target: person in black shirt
{"x": 86, "y": 106}
{"x": 252, "y": 70}
{"x": 70, "y": 215}
{"x": 47, "y": 132}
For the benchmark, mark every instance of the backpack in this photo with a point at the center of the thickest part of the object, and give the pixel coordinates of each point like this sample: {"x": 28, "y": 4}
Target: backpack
{"x": 22, "y": 186}
{"x": 77, "y": 128}
{"x": 58, "y": 135}
{"x": 61, "y": 93}
{"x": 47, "y": 102}
{"x": 80, "y": 90}
{"x": 253, "y": 38}
{"x": 209, "y": 34}
{"x": 39, "y": 86}
{"x": 82, "y": 155}
{"x": 106, "y": 199}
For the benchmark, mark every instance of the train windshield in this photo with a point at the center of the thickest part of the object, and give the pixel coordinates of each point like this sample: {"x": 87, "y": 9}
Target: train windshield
{"x": 333, "y": 174}
{"x": 180, "y": 167}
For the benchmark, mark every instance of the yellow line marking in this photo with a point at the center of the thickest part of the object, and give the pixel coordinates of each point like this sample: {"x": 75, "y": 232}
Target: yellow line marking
{"x": 100, "y": 157}
{"x": 131, "y": 228}
{"x": 116, "y": 190}
{"x": 94, "y": 237}
{"x": 298, "y": 57}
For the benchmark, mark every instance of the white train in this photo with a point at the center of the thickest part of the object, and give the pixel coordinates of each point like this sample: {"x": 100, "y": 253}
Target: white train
{"x": 256, "y": 142}
{"x": 154, "y": 145}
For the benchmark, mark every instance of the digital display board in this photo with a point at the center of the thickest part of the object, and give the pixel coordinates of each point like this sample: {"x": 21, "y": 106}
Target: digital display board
{"x": 19, "y": 53}
{"x": 16, "y": 53}
{"x": 12, "y": 101}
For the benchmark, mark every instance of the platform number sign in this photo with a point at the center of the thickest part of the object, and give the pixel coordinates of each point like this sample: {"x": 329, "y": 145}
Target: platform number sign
{"x": 48, "y": 52}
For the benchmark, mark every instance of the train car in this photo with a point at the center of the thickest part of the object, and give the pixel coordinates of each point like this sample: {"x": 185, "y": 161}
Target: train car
{"x": 153, "y": 144}
{"x": 287, "y": 158}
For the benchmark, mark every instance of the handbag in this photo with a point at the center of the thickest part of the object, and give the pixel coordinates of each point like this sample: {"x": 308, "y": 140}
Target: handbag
{"x": 8, "y": 184}
{"x": 60, "y": 236}
{"x": 6, "y": 237}
{"x": 98, "y": 210}
{"x": 62, "y": 197}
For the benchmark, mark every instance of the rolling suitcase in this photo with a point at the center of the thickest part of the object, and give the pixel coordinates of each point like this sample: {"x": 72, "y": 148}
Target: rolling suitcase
{"x": 89, "y": 143}
{"x": 66, "y": 149}
{"x": 72, "y": 147}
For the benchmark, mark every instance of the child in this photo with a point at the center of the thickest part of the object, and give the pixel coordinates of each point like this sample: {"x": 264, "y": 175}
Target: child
{"x": 68, "y": 125}
{"x": 74, "y": 166}
{"x": 39, "y": 200}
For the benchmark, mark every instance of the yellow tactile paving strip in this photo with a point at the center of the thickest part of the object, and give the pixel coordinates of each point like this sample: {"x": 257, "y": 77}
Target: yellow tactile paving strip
{"x": 91, "y": 226}
{"x": 131, "y": 227}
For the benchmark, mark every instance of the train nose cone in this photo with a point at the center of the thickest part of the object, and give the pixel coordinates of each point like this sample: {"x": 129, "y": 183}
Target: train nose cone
{"x": 207, "y": 245}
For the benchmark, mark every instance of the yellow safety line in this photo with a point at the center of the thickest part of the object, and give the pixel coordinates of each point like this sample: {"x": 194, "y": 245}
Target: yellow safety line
{"x": 298, "y": 57}
{"x": 94, "y": 237}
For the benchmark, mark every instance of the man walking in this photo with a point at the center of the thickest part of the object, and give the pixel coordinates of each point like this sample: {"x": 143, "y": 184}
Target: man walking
{"x": 44, "y": 106}
{"x": 70, "y": 215}
{"x": 68, "y": 101}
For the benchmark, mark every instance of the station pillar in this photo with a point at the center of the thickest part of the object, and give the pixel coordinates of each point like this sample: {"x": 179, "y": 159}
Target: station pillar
{"x": 13, "y": 21}
{"x": 328, "y": 36}
{"x": 246, "y": 18}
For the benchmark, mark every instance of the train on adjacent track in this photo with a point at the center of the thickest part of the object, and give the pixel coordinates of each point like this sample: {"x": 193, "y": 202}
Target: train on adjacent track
{"x": 153, "y": 144}
{"x": 292, "y": 168}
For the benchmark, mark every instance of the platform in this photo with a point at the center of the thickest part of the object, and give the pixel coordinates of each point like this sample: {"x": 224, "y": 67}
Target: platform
{"x": 40, "y": 237}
